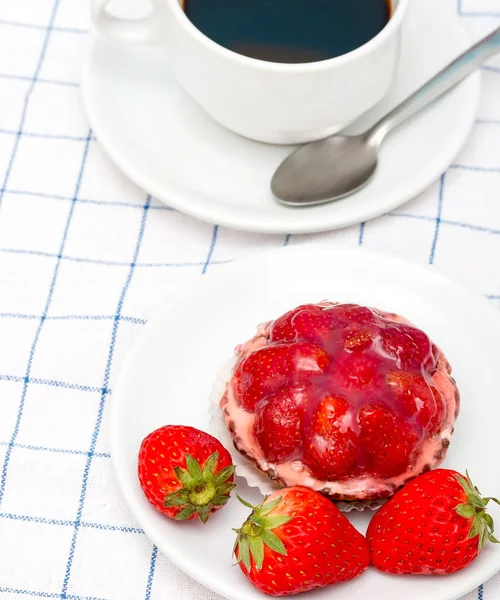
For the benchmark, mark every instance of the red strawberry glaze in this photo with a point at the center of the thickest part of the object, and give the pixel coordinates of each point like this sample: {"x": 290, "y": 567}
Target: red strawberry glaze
{"x": 349, "y": 401}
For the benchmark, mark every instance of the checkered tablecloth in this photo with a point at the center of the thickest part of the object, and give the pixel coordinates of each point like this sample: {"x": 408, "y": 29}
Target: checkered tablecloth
{"x": 86, "y": 258}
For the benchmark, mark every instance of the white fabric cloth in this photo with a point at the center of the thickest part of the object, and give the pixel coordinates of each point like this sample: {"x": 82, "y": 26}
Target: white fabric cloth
{"x": 86, "y": 258}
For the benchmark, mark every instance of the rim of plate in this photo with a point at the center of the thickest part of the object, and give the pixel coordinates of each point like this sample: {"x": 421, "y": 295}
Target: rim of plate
{"x": 314, "y": 220}
{"x": 163, "y": 544}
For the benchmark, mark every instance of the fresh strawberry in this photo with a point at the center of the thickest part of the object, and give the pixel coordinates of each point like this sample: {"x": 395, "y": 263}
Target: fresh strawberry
{"x": 296, "y": 541}
{"x": 282, "y": 330}
{"x": 437, "y": 524}
{"x": 417, "y": 398}
{"x": 184, "y": 472}
{"x": 278, "y": 423}
{"x": 386, "y": 439}
{"x": 331, "y": 450}
{"x": 410, "y": 346}
{"x": 267, "y": 370}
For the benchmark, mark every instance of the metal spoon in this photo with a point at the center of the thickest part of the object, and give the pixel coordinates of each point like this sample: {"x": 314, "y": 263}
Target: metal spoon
{"x": 339, "y": 165}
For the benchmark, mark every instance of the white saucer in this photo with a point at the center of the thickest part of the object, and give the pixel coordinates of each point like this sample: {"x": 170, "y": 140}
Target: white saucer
{"x": 168, "y": 146}
{"x": 168, "y": 377}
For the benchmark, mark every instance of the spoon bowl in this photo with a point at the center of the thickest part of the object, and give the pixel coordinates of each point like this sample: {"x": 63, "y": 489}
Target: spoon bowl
{"x": 325, "y": 170}
{"x": 337, "y": 166}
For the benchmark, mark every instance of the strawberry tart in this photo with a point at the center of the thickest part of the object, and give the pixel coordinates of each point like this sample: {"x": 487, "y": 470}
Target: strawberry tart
{"x": 349, "y": 401}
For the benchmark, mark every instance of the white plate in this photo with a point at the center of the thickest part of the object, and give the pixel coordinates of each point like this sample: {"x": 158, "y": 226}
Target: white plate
{"x": 168, "y": 377}
{"x": 167, "y": 145}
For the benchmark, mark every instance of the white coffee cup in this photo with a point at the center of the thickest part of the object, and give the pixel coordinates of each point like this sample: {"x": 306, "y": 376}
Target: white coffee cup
{"x": 266, "y": 101}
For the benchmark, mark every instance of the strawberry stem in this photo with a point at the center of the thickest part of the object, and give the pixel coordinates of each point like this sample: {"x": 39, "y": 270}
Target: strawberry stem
{"x": 202, "y": 489}
{"x": 475, "y": 509}
{"x": 256, "y": 532}
{"x": 202, "y": 494}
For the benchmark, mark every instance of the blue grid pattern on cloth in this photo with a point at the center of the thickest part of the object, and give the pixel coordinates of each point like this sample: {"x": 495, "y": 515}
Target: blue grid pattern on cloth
{"x": 143, "y": 251}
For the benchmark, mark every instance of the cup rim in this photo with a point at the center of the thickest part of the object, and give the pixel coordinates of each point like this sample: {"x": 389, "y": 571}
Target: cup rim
{"x": 322, "y": 65}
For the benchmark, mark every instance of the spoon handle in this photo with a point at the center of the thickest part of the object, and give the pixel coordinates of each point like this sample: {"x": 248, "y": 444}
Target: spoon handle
{"x": 446, "y": 79}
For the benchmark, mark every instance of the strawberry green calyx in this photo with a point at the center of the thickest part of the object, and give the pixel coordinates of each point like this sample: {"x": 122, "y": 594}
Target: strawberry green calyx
{"x": 256, "y": 532}
{"x": 475, "y": 509}
{"x": 202, "y": 488}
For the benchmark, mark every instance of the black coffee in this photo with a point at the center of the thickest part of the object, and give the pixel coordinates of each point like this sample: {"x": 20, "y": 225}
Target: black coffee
{"x": 289, "y": 31}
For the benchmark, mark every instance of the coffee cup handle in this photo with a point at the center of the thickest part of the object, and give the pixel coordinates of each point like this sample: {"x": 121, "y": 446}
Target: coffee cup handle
{"x": 146, "y": 30}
